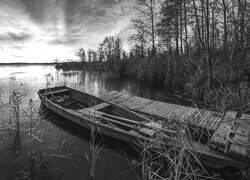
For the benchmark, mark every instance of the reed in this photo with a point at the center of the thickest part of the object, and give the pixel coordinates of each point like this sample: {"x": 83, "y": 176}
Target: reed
{"x": 95, "y": 143}
{"x": 224, "y": 98}
{"x": 168, "y": 156}
{"x": 15, "y": 102}
{"x": 33, "y": 140}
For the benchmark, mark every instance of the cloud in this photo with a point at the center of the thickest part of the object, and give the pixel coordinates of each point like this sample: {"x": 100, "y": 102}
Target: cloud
{"x": 10, "y": 36}
{"x": 64, "y": 41}
{"x": 29, "y": 25}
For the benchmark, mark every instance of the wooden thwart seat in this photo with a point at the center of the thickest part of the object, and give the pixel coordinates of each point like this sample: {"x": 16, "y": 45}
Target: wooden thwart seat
{"x": 99, "y": 106}
{"x": 94, "y": 110}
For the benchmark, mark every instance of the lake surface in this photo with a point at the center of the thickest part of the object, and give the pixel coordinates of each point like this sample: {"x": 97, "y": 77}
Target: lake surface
{"x": 46, "y": 146}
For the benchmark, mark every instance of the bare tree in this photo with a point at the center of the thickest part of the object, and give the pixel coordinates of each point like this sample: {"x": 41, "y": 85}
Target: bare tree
{"x": 144, "y": 23}
{"x": 81, "y": 54}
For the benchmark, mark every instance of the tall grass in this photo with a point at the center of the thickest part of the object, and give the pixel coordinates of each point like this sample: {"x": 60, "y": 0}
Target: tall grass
{"x": 224, "y": 98}
{"x": 171, "y": 155}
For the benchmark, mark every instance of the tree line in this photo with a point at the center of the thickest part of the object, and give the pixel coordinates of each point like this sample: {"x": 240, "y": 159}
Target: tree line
{"x": 182, "y": 43}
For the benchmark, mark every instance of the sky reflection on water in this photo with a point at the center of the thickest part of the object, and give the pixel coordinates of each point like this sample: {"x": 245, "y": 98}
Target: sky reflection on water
{"x": 63, "y": 144}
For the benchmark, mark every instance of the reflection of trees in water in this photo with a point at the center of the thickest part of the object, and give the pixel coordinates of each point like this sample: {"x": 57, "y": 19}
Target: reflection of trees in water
{"x": 70, "y": 73}
{"x": 99, "y": 82}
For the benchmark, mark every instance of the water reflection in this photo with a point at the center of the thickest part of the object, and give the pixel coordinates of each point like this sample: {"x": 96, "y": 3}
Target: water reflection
{"x": 62, "y": 144}
{"x": 58, "y": 151}
{"x": 32, "y": 78}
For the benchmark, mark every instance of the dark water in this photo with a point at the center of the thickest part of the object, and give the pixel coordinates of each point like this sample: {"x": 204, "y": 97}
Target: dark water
{"x": 60, "y": 149}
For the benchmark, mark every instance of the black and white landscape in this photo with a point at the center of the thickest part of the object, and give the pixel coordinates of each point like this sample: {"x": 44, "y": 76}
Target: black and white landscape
{"x": 168, "y": 79}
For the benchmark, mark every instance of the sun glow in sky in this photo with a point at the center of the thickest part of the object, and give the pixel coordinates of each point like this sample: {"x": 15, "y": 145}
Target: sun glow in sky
{"x": 45, "y": 30}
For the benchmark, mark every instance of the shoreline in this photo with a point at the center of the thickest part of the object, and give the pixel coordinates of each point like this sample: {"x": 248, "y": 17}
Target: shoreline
{"x": 25, "y": 64}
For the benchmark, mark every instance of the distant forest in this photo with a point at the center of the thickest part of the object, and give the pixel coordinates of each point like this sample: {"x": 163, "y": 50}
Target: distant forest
{"x": 201, "y": 46}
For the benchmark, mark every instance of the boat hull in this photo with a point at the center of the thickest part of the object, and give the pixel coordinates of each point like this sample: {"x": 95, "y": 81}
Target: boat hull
{"x": 85, "y": 122}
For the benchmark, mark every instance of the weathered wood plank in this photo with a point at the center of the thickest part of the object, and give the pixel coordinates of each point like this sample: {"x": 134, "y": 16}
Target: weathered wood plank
{"x": 146, "y": 104}
{"x": 198, "y": 116}
{"x": 136, "y": 102}
{"x": 244, "y": 120}
{"x": 190, "y": 115}
{"x": 217, "y": 158}
{"x": 243, "y": 133}
{"x": 173, "y": 110}
{"x": 240, "y": 142}
{"x": 211, "y": 120}
{"x": 166, "y": 109}
{"x": 177, "y": 110}
{"x": 221, "y": 135}
{"x": 122, "y": 98}
{"x": 181, "y": 113}
{"x": 108, "y": 94}
{"x": 203, "y": 118}
{"x": 216, "y": 122}
{"x": 187, "y": 113}
{"x": 151, "y": 108}
{"x": 207, "y": 120}
{"x": 111, "y": 95}
{"x": 99, "y": 106}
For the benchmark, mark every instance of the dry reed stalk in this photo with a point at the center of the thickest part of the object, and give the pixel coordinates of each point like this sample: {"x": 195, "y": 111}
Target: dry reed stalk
{"x": 169, "y": 157}
{"x": 95, "y": 146}
{"x": 15, "y": 102}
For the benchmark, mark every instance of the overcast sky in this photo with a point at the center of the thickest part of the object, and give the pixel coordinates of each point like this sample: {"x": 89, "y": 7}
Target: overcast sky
{"x": 43, "y": 30}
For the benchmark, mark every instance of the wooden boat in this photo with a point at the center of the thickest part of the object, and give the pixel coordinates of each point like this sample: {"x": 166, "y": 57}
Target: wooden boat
{"x": 86, "y": 109}
{"x": 118, "y": 122}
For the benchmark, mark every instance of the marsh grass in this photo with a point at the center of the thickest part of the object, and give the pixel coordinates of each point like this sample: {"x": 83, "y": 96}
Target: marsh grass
{"x": 171, "y": 155}
{"x": 29, "y": 137}
{"x": 223, "y": 98}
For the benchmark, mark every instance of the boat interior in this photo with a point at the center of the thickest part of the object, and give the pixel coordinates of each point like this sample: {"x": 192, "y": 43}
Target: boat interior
{"x": 76, "y": 100}
{"x": 86, "y": 104}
